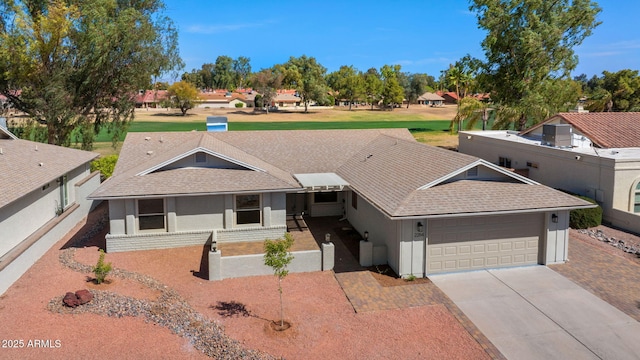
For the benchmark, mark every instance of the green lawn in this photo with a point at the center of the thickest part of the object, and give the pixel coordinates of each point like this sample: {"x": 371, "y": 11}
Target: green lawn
{"x": 413, "y": 125}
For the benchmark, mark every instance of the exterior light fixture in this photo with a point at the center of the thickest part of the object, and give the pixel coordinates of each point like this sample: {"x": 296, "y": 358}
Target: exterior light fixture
{"x": 420, "y": 227}
{"x": 327, "y": 237}
{"x": 366, "y": 236}
{"x": 554, "y": 218}
{"x": 214, "y": 247}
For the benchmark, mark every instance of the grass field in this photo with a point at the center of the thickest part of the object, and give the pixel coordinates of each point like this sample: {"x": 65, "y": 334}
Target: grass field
{"x": 428, "y": 125}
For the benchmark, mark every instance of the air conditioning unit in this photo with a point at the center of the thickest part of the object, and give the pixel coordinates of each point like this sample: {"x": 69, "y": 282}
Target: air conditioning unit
{"x": 557, "y": 135}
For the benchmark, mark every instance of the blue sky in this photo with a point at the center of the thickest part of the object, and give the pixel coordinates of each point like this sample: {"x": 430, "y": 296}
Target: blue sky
{"x": 423, "y": 36}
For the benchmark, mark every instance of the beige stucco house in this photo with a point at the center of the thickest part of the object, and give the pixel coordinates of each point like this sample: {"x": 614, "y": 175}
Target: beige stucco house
{"x": 591, "y": 154}
{"x": 426, "y": 210}
{"x": 44, "y": 189}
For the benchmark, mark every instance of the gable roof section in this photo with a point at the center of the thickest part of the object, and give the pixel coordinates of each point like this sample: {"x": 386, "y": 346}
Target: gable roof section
{"x": 430, "y": 96}
{"x": 604, "y": 129}
{"x": 6, "y": 134}
{"x": 26, "y": 166}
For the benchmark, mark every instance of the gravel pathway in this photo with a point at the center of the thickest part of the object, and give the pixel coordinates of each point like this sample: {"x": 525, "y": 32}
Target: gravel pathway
{"x": 169, "y": 310}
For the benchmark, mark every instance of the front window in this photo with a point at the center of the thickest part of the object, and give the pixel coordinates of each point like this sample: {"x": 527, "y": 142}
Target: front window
{"x": 325, "y": 197}
{"x": 248, "y": 209}
{"x": 151, "y": 214}
{"x": 636, "y": 199}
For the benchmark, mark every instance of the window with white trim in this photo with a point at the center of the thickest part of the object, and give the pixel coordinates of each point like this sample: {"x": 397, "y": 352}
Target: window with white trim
{"x": 248, "y": 209}
{"x": 151, "y": 214}
{"x": 636, "y": 198}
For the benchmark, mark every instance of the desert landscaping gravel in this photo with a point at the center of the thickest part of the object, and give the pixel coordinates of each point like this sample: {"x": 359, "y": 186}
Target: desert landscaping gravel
{"x": 158, "y": 306}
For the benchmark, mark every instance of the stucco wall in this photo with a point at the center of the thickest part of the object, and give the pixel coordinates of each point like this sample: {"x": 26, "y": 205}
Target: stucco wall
{"x": 24, "y": 216}
{"x": 190, "y": 220}
{"x": 607, "y": 180}
{"x": 253, "y": 265}
{"x": 84, "y": 184}
{"x": 382, "y": 231}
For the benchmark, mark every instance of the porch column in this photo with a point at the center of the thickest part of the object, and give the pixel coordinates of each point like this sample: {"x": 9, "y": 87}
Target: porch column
{"x": 171, "y": 214}
{"x": 228, "y": 211}
{"x": 266, "y": 210}
{"x": 130, "y": 217}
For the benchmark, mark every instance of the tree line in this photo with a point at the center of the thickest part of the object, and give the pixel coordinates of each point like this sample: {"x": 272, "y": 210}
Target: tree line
{"x": 74, "y": 67}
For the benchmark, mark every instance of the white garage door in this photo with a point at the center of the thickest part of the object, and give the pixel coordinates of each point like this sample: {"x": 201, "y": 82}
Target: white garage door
{"x": 483, "y": 242}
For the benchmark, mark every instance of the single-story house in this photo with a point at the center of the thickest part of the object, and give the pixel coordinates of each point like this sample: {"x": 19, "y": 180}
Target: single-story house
{"x": 591, "y": 154}
{"x": 286, "y": 98}
{"x": 430, "y": 99}
{"x": 450, "y": 97}
{"x": 425, "y": 209}
{"x": 150, "y": 98}
{"x": 220, "y": 99}
{"x": 44, "y": 189}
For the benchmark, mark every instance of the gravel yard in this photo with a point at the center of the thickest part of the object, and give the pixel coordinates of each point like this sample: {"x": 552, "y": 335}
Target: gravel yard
{"x": 158, "y": 306}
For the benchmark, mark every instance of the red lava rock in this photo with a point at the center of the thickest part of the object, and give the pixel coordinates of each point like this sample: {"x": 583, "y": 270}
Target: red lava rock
{"x": 71, "y": 300}
{"x": 84, "y": 296}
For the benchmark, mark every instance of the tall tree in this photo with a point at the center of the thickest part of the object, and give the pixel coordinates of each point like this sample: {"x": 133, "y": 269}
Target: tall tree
{"x": 348, "y": 83}
{"x": 305, "y": 75}
{"x": 78, "y": 64}
{"x": 242, "y": 70}
{"x": 267, "y": 82}
{"x": 183, "y": 95}
{"x": 223, "y": 76}
{"x": 528, "y": 43}
{"x": 416, "y": 85}
{"x": 392, "y": 92}
{"x": 372, "y": 86}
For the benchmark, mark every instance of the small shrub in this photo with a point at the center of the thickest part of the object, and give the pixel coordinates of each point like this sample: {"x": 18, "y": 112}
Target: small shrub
{"x": 105, "y": 165}
{"x": 101, "y": 270}
{"x": 585, "y": 218}
{"x": 239, "y": 105}
{"x": 410, "y": 277}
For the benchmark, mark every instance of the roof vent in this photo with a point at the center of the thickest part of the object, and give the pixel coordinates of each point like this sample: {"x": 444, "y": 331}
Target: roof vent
{"x": 557, "y": 135}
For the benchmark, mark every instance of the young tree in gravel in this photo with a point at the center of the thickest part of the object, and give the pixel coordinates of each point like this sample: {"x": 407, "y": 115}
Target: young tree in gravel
{"x": 528, "y": 43}
{"x": 348, "y": 83}
{"x": 183, "y": 96}
{"x": 79, "y": 64}
{"x": 372, "y": 86}
{"x": 277, "y": 256}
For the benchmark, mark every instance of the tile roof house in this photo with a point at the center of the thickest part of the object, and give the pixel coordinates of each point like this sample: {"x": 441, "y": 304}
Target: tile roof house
{"x": 430, "y": 99}
{"x": 44, "y": 189}
{"x": 151, "y": 98}
{"x": 591, "y": 154}
{"x": 426, "y": 210}
{"x": 221, "y": 99}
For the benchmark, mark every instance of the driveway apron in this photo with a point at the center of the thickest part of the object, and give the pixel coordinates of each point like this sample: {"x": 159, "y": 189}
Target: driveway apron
{"x": 536, "y": 313}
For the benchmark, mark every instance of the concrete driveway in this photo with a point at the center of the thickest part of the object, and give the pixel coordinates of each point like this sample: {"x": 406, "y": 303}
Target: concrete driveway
{"x": 536, "y": 313}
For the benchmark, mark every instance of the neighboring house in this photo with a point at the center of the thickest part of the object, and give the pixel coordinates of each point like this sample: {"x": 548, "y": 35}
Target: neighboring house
{"x": 425, "y": 209}
{"x": 430, "y": 99}
{"x": 221, "y": 99}
{"x": 44, "y": 189}
{"x": 286, "y": 98}
{"x": 449, "y": 97}
{"x": 150, "y": 98}
{"x": 591, "y": 154}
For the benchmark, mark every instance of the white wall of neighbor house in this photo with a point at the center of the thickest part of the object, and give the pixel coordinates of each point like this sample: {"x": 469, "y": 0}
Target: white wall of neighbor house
{"x": 607, "y": 180}
{"x": 24, "y": 216}
{"x": 382, "y": 230}
{"x": 84, "y": 183}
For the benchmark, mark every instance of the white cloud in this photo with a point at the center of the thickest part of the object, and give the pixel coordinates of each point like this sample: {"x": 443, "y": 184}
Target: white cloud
{"x": 222, "y": 28}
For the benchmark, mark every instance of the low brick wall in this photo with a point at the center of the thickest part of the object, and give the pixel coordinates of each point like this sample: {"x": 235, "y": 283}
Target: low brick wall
{"x": 250, "y": 234}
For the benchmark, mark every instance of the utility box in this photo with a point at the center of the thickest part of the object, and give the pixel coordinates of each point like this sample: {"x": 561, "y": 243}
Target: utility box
{"x": 557, "y": 135}
{"x": 217, "y": 123}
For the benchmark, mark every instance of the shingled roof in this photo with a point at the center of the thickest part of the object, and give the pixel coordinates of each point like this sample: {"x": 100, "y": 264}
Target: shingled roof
{"x": 388, "y": 167}
{"x": 604, "y": 129}
{"x": 26, "y": 166}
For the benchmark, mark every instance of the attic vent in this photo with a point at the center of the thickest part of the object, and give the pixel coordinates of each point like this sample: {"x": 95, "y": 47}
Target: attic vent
{"x": 472, "y": 172}
{"x": 201, "y": 157}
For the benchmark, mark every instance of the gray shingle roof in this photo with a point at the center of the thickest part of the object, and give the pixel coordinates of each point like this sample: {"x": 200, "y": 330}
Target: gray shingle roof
{"x": 386, "y": 166}
{"x": 20, "y": 166}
